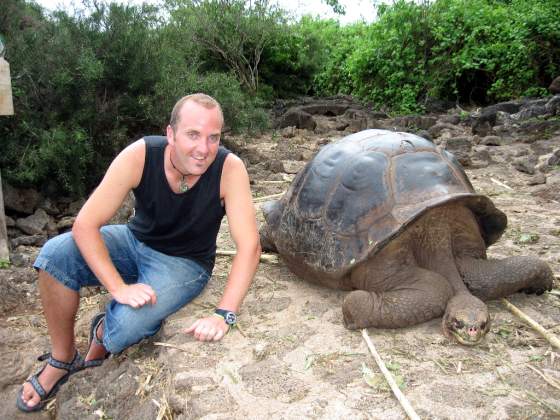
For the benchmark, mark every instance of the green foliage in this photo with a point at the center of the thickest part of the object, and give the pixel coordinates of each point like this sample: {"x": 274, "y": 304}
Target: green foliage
{"x": 87, "y": 84}
{"x": 295, "y": 55}
{"x": 477, "y": 51}
{"x": 233, "y": 32}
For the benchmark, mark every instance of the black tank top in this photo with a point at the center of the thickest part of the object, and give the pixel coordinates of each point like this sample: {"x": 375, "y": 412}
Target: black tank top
{"x": 184, "y": 225}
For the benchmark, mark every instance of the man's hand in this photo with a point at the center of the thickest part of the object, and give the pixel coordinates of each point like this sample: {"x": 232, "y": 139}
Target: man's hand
{"x": 212, "y": 328}
{"x": 135, "y": 295}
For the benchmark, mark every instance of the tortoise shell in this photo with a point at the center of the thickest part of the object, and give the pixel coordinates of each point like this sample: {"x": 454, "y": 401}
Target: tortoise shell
{"x": 361, "y": 191}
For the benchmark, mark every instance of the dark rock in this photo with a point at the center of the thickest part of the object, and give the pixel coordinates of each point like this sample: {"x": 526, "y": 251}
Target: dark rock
{"x": 24, "y": 256}
{"x": 288, "y": 132}
{"x": 436, "y": 130}
{"x": 328, "y": 109}
{"x": 30, "y": 240}
{"x": 125, "y": 211}
{"x": 453, "y": 119}
{"x": 74, "y": 207}
{"x": 486, "y": 118}
{"x": 275, "y": 166}
{"x": 292, "y": 166}
{"x": 481, "y": 154}
{"x": 433, "y": 105}
{"x": 10, "y": 222}
{"x": 496, "y": 141}
{"x": 65, "y": 223}
{"x": 552, "y": 107}
{"x": 554, "y": 158}
{"x": 374, "y": 123}
{"x": 482, "y": 128}
{"x": 538, "y": 129}
{"x": 510, "y": 107}
{"x": 356, "y": 125}
{"x": 425, "y": 134}
{"x": 20, "y": 200}
{"x": 530, "y": 112}
{"x": 378, "y": 115}
{"x": 537, "y": 179}
{"x": 34, "y": 224}
{"x": 461, "y": 148}
{"x": 415, "y": 121}
{"x": 14, "y": 232}
{"x": 526, "y": 164}
{"x": 49, "y": 206}
{"x": 554, "y": 87}
{"x": 298, "y": 118}
{"x": 341, "y": 125}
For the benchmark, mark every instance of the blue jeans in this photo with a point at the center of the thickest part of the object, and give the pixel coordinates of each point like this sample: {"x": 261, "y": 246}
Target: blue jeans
{"x": 175, "y": 280}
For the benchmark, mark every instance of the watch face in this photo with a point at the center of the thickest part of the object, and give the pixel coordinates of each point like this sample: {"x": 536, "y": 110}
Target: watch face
{"x": 230, "y": 318}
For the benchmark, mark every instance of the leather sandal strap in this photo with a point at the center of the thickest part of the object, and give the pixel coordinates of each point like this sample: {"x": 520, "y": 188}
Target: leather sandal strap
{"x": 34, "y": 381}
{"x": 96, "y": 327}
{"x": 71, "y": 366}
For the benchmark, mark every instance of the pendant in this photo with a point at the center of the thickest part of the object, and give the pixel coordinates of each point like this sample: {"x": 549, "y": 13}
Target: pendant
{"x": 183, "y": 186}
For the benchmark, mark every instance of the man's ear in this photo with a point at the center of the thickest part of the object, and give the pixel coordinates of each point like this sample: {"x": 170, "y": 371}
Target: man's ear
{"x": 170, "y": 135}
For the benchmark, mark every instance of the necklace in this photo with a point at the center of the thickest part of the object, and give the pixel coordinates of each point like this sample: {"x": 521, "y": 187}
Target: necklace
{"x": 183, "y": 186}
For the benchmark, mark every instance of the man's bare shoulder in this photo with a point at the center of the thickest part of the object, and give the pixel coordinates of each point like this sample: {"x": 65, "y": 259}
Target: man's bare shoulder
{"x": 128, "y": 166}
{"x": 233, "y": 164}
{"x": 135, "y": 150}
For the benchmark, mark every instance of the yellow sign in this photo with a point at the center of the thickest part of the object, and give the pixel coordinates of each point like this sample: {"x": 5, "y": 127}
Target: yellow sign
{"x": 6, "y": 103}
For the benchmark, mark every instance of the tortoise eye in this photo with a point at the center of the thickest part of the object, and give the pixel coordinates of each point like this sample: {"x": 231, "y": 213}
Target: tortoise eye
{"x": 458, "y": 324}
{"x": 483, "y": 326}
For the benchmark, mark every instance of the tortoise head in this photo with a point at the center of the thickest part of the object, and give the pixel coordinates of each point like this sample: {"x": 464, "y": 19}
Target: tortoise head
{"x": 466, "y": 319}
{"x": 272, "y": 211}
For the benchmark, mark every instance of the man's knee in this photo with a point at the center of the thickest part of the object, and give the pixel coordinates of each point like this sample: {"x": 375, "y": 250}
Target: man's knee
{"x": 125, "y": 326}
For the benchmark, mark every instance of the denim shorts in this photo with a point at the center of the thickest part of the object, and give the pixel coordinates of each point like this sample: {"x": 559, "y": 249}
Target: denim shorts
{"x": 175, "y": 280}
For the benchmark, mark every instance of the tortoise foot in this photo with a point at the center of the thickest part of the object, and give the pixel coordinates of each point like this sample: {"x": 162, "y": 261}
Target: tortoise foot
{"x": 492, "y": 279}
{"x": 357, "y": 308}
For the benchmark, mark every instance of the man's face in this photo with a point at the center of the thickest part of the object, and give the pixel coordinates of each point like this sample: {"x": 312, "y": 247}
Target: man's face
{"x": 195, "y": 140}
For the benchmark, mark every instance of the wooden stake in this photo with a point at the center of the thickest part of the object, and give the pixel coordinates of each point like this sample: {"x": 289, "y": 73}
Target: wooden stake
{"x": 501, "y": 184}
{"x": 267, "y": 258}
{"x": 267, "y": 197}
{"x": 4, "y": 250}
{"x": 394, "y": 387}
{"x": 6, "y": 101}
{"x": 551, "y": 338}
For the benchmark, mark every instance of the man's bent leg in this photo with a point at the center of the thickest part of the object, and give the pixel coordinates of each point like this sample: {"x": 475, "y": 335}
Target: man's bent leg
{"x": 176, "y": 281}
{"x": 62, "y": 272}
{"x": 60, "y": 305}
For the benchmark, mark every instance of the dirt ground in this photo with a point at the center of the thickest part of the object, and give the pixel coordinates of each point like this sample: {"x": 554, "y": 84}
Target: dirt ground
{"x": 291, "y": 356}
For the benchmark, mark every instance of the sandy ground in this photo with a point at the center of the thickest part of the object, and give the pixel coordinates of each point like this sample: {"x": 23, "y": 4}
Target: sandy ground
{"x": 291, "y": 356}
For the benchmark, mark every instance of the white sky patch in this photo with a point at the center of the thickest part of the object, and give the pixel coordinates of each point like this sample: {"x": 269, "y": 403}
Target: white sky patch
{"x": 356, "y": 10}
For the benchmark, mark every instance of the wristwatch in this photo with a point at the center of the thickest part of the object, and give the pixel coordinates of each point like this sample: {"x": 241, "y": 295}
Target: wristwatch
{"x": 228, "y": 316}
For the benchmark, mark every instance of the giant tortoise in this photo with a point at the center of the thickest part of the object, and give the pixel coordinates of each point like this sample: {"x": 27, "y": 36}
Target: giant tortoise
{"x": 394, "y": 219}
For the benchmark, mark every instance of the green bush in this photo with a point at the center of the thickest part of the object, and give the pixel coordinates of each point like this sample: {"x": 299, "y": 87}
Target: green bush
{"x": 476, "y": 51}
{"x": 85, "y": 86}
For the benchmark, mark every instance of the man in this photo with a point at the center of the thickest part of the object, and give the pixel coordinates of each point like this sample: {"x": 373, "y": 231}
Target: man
{"x": 183, "y": 184}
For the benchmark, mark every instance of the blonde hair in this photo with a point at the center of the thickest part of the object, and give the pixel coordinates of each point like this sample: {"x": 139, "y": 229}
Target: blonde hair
{"x": 199, "y": 98}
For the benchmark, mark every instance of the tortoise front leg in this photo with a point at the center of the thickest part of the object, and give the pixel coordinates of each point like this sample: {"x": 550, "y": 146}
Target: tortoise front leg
{"x": 421, "y": 295}
{"x": 492, "y": 279}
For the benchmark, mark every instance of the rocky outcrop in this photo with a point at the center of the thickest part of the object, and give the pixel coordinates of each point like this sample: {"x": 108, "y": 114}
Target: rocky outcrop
{"x": 554, "y": 87}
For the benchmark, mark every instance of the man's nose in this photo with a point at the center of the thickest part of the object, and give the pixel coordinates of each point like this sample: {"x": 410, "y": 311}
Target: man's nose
{"x": 202, "y": 147}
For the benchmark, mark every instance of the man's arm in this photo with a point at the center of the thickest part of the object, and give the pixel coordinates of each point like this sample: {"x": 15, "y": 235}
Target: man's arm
{"x": 243, "y": 229}
{"x": 123, "y": 174}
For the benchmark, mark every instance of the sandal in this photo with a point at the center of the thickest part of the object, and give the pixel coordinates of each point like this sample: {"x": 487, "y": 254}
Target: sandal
{"x": 74, "y": 366}
{"x": 95, "y": 323}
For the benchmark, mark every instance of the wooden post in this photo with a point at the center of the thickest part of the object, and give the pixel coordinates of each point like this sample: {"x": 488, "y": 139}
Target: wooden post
{"x": 4, "y": 251}
{"x": 6, "y": 102}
